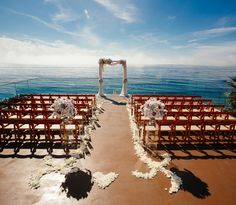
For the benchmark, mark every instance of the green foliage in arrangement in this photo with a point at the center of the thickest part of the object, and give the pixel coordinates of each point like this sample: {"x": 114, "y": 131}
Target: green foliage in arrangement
{"x": 231, "y": 94}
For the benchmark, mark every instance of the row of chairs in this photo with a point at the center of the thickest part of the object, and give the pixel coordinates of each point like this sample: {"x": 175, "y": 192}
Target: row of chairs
{"x": 180, "y": 131}
{"x": 75, "y": 97}
{"x": 137, "y": 97}
{"x": 51, "y": 101}
{"x": 25, "y": 102}
{"x": 188, "y": 116}
{"x": 25, "y": 120}
{"x": 37, "y": 114}
{"x": 40, "y": 130}
{"x": 136, "y": 109}
{"x": 185, "y": 118}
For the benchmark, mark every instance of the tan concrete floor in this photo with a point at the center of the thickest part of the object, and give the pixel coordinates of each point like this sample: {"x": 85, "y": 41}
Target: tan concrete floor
{"x": 209, "y": 175}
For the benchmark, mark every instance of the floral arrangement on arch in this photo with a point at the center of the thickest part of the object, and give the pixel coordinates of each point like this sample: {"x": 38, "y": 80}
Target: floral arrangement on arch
{"x": 153, "y": 108}
{"x": 64, "y": 108}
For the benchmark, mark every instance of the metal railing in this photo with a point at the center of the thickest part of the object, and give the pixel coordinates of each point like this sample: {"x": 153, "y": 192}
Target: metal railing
{"x": 149, "y": 85}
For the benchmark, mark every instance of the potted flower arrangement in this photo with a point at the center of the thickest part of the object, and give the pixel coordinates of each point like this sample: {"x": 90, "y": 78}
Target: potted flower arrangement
{"x": 153, "y": 109}
{"x": 64, "y": 108}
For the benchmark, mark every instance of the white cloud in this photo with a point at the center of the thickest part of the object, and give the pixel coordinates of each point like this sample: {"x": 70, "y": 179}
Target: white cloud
{"x": 148, "y": 39}
{"x": 215, "y": 31}
{"x": 223, "y": 54}
{"x": 39, "y": 53}
{"x": 27, "y": 52}
{"x": 91, "y": 38}
{"x": 35, "y": 52}
{"x": 121, "y": 9}
{"x": 195, "y": 40}
{"x": 64, "y": 14}
{"x": 86, "y": 34}
{"x": 52, "y": 26}
{"x": 86, "y": 14}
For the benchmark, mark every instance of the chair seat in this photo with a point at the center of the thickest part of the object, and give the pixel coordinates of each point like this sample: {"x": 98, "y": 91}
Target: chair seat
{"x": 231, "y": 117}
{"x": 9, "y": 126}
{"x": 13, "y": 117}
{"x": 209, "y": 128}
{"x": 70, "y": 127}
{"x": 182, "y": 118}
{"x": 224, "y": 128}
{"x": 195, "y": 128}
{"x": 26, "y": 117}
{"x": 55, "y": 127}
{"x": 180, "y": 128}
{"x": 207, "y": 118}
{"x": 25, "y": 127}
{"x": 39, "y": 117}
{"x": 150, "y": 128}
{"x": 206, "y": 109}
{"x": 165, "y": 128}
{"x": 40, "y": 127}
{"x": 170, "y": 118}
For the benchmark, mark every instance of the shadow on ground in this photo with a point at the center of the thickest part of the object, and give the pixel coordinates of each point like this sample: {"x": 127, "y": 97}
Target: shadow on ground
{"x": 114, "y": 101}
{"x": 192, "y": 151}
{"x": 192, "y": 183}
{"x": 77, "y": 184}
{"x": 34, "y": 147}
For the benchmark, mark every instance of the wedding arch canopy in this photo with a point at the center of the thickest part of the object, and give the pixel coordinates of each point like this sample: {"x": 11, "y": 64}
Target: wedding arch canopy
{"x": 102, "y": 63}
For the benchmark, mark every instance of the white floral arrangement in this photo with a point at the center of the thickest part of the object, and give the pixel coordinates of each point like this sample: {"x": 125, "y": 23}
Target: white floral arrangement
{"x": 105, "y": 61}
{"x": 104, "y": 180}
{"x": 153, "y": 108}
{"x": 64, "y": 108}
{"x": 62, "y": 168}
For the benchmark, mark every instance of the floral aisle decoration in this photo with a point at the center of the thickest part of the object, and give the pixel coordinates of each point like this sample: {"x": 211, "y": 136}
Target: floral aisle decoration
{"x": 64, "y": 108}
{"x": 153, "y": 108}
{"x": 62, "y": 168}
{"x": 104, "y": 180}
{"x": 154, "y": 166}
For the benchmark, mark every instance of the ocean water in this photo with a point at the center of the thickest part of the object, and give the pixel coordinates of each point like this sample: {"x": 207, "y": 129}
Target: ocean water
{"x": 209, "y": 82}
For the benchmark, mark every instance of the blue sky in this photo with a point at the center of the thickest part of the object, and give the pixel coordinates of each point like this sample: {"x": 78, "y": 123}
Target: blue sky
{"x": 144, "y": 32}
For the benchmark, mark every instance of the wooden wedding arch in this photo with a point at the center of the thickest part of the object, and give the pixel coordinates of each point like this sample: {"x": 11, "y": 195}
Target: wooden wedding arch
{"x": 102, "y": 63}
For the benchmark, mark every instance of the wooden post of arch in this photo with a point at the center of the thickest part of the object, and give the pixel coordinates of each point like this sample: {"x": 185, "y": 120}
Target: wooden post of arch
{"x": 100, "y": 87}
{"x": 102, "y": 62}
{"x": 124, "y": 81}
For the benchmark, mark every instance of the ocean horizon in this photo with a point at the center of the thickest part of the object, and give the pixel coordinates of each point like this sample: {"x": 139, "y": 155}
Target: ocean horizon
{"x": 207, "y": 81}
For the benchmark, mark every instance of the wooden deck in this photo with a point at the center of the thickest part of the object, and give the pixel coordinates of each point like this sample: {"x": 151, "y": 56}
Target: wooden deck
{"x": 208, "y": 173}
